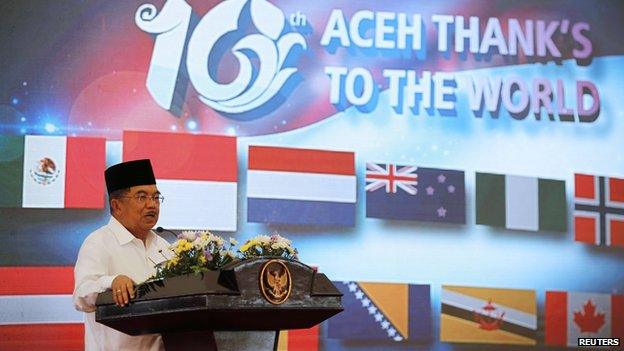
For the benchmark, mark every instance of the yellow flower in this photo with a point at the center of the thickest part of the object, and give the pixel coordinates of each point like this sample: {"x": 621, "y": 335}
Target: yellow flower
{"x": 172, "y": 262}
{"x": 201, "y": 259}
{"x": 187, "y": 246}
{"x": 178, "y": 250}
{"x": 245, "y": 247}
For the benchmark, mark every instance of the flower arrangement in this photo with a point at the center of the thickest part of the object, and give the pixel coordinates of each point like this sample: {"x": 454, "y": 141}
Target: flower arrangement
{"x": 264, "y": 245}
{"x": 197, "y": 252}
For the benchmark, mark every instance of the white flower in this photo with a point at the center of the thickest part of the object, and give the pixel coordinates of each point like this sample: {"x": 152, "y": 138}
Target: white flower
{"x": 263, "y": 239}
{"x": 188, "y": 235}
{"x": 198, "y": 243}
{"x": 219, "y": 241}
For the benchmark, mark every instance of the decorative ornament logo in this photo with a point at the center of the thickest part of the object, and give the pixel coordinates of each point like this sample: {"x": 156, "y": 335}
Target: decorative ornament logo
{"x": 275, "y": 282}
{"x": 44, "y": 171}
{"x": 216, "y": 32}
{"x": 488, "y": 319}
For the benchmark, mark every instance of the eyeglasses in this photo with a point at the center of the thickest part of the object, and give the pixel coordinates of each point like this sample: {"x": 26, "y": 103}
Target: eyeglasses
{"x": 143, "y": 198}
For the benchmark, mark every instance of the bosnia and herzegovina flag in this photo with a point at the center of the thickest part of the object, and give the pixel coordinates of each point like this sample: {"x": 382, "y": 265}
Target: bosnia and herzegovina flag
{"x": 196, "y": 173}
{"x": 486, "y": 315}
{"x": 301, "y": 186}
{"x": 382, "y": 312}
{"x": 52, "y": 171}
{"x": 573, "y": 315}
{"x": 523, "y": 203}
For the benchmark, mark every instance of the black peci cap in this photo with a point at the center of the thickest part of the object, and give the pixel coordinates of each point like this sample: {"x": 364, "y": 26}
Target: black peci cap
{"x": 128, "y": 174}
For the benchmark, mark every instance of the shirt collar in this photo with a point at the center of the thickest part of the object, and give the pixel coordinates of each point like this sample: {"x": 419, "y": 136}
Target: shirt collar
{"x": 122, "y": 234}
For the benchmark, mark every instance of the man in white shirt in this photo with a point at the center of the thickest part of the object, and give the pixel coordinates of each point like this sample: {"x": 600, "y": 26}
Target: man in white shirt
{"x": 121, "y": 254}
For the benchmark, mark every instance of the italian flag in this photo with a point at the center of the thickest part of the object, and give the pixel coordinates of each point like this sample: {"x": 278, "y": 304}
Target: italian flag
{"x": 523, "y": 203}
{"x": 573, "y": 315}
{"x": 52, "y": 172}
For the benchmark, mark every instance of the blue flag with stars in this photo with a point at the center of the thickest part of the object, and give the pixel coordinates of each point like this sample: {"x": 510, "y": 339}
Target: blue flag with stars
{"x": 415, "y": 193}
{"x": 385, "y": 313}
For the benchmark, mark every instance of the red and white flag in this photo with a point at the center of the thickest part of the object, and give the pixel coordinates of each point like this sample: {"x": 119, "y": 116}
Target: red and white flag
{"x": 573, "y": 315}
{"x": 36, "y": 310}
{"x": 196, "y": 174}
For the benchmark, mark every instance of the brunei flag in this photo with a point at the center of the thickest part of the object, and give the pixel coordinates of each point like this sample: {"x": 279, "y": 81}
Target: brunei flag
{"x": 384, "y": 312}
{"x": 299, "y": 339}
{"x": 573, "y": 315}
{"x": 490, "y": 316}
{"x": 52, "y": 171}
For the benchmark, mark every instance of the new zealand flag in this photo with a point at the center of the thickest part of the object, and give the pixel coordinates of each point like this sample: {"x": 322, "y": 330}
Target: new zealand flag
{"x": 415, "y": 193}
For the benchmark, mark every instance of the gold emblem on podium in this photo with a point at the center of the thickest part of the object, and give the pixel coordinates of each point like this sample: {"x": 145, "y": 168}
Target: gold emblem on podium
{"x": 275, "y": 282}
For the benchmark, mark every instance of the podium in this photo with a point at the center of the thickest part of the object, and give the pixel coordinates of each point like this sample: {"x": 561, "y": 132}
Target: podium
{"x": 262, "y": 294}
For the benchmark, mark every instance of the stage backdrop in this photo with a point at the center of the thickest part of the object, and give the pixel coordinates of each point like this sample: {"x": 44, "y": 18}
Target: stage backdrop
{"x": 455, "y": 166}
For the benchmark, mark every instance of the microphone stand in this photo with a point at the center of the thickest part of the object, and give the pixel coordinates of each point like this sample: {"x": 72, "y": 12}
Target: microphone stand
{"x": 161, "y": 230}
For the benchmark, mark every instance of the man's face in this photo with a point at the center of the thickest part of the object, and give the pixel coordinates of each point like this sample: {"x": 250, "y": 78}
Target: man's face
{"x": 136, "y": 215}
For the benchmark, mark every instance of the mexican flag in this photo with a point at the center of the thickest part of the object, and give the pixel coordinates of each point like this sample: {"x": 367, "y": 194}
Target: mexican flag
{"x": 52, "y": 171}
{"x": 523, "y": 203}
{"x": 573, "y": 315}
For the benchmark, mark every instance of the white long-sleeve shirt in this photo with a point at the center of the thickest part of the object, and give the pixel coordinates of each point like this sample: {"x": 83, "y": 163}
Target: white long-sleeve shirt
{"x": 106, "y": 253}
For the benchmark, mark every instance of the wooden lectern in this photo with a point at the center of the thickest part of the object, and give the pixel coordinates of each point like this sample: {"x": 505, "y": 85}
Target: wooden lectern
{"x": 262, "y": 294}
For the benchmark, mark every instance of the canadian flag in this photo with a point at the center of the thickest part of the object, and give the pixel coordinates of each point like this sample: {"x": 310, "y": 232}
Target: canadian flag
{"x": 572, "y": 315}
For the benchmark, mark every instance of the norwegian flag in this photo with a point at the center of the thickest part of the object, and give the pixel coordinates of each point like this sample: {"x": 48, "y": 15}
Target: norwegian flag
{"x": 599, "y": 210}
{"x": 391, "y": 178}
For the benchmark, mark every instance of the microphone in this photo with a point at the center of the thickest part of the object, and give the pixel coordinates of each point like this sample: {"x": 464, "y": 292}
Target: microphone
{"x": 160, "y": 230}
{"x": 163, "y": 255}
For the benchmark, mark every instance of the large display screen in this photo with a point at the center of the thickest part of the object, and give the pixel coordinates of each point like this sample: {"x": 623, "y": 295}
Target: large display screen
{"x": 456, "y": 167}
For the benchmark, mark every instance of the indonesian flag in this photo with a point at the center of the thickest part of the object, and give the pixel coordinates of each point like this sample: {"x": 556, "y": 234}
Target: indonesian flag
{"x": 36, "y": 310}
{"x": 196, "y": 174}
{"x": 571, "y": 315}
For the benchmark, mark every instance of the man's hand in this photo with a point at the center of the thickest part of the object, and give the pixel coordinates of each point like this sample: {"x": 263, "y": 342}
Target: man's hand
{"x": 123, "y": 290}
